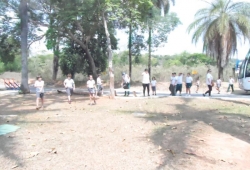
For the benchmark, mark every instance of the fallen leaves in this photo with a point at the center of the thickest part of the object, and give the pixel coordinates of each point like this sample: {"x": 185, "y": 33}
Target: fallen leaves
{"x": 13, "y": 167}
{"x": 172, "y": 152}
{"x": 53, "y": 150}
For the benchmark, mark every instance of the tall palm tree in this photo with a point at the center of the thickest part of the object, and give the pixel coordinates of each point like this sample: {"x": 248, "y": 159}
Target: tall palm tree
{"x": 163, "y": 5}
{"x": 221, "y": 26}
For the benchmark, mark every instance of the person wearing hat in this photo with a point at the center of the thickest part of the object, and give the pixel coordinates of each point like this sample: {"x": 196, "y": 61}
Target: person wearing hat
{"x": 209, "y": 82}
{"x": 126, "y": 83}
{"x": 69, "y": 85}
{"x": 39, "y": 85}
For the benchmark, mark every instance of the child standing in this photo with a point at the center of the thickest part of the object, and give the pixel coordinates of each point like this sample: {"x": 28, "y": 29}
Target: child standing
{"x": 173, "y": 82}
{"x": 153, "y": 85}
{"x": 218, "y": 85}
{"x": 39, "y": 85}
{"x": 189, "y": 81}
{"x": 179, "y": 83}
{"x": 91, "y": 88}
{"x": 99, "y": 85}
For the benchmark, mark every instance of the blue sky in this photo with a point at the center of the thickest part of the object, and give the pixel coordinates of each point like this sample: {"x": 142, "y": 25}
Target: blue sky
{"x": 179, "y": 40}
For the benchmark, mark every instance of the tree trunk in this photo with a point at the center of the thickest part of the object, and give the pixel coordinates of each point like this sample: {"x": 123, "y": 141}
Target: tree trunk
{"x": 110, "y": 59}
{"x": 149, "y": 52}
{"x": 220, "y": 73}
{"x": 24, "y": 45}
{"x": 162, "y": 9}
{"x": 55, "y": 61}
{"x": 90, "y": 58}
{"x": 129, "y": 50}
{"x": 91, "y": 63}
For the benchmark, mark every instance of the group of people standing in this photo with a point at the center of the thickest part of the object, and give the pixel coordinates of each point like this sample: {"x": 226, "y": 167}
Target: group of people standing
{"x": 146, "y": 83}
{"x": 176, "y": 84}
{"x": 95, "y": 87}
{"x": 69, "y": 84}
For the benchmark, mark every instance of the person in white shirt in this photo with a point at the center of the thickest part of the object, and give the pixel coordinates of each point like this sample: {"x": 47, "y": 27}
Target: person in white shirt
{"x": 99, "y": 84}
{"x": 153, "y": 86}
{"x": 145, "y": 81}
{"x": 39, "y": 85}
{"x": 126, "y": 83}
{"x": 231, "y": 84}
{"x": 218, "y": 85}
{"x": 209, "y": 82}
{"x": 173, "y": 82}
{"x": 179, "y": 83}
{"x": 91, "y": 89}
{"x": 69, "y": 85}
{"x": 189, "y": 81}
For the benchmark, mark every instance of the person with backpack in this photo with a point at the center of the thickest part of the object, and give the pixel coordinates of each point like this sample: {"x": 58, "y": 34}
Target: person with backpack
{"x": 126, "y": 83}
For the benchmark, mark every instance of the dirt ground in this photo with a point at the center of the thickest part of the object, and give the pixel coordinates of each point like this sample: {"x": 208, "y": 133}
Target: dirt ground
{"x": 169, "y": 133}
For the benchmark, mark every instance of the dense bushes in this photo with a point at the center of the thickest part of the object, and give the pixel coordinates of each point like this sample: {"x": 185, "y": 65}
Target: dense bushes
{"x": 14, "y": 66}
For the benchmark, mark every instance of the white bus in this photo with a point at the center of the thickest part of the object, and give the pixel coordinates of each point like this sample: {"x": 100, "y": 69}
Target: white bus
{"x": 244, "y": 74}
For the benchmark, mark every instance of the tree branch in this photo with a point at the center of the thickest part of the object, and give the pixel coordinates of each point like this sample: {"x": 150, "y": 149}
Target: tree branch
{"x": 36, "y": 39}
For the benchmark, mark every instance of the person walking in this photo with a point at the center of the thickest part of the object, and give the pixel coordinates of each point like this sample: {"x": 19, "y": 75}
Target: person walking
{"x": 231, "y": 84}
{"x": 99, "y": 85}
{"x": 153, "y": 86}
{"x": 92, "y": 90}
{"x": 209, "y": 82}
{"x": 126, "y": 83}
{"x": 145, "y": 81}
{"x": 39, "y": 85}
{"x": 218, "y": 85}
{"x": 189, "y": 81}
{"x": 179, "y": 83}
{"x": 69, "y": 85}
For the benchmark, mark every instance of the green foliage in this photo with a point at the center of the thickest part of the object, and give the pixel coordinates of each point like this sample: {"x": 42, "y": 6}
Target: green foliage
{"x": 2, "y": 69}
{"x": 9, "y": 48}
{"x": 14, "y": 66}
{"x": 182, "y": 59}
{"x": 73, "y": 59}
{"x": 41, "y": 65}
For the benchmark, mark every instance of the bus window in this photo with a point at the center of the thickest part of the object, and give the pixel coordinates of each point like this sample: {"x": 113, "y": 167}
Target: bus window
{"x": 242, "y": 67}
{"x": 248, "y": 69}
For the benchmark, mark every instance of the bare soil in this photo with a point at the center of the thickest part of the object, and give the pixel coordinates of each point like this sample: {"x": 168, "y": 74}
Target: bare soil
{"x": 126, "y": 133}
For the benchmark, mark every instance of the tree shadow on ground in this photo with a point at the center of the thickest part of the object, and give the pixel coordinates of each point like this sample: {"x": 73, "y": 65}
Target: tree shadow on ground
{"x": 175, "y": 128}
{"x": 15, "y": 108}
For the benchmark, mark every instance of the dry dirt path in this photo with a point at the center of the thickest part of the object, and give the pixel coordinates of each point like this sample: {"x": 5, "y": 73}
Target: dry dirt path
{"x": 147, "y": 134}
